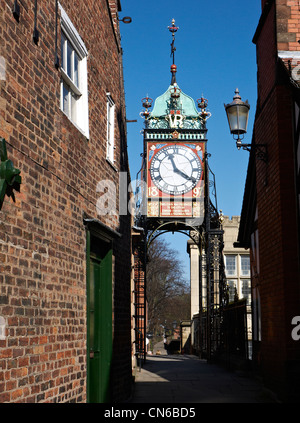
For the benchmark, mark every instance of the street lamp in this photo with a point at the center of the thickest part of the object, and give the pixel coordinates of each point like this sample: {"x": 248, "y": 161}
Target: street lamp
{"x": 237, "y": 114}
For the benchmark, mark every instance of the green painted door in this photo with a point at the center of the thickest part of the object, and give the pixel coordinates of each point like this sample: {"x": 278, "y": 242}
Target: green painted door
{"x": 99, "y": 326}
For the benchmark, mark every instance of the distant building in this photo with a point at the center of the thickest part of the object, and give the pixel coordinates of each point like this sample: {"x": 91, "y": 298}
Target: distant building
{"x": 237, "y": 262}
{"x": 237, "y": 269}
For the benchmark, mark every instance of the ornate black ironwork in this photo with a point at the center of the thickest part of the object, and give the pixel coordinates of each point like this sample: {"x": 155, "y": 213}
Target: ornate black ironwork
{"x": 212, "y": 277}
{"x": 260, "y": 150}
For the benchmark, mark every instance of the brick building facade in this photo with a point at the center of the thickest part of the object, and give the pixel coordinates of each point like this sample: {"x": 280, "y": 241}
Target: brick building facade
{"x": 63, "y": 118}
{"x": 270, "y": 215}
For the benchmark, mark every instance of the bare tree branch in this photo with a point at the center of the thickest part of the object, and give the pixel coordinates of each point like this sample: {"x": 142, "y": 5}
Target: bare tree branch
{"x": 167, "y": 292}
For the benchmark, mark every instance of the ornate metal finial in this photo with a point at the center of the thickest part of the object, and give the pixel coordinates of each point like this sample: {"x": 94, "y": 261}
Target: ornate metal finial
{"x": 173, "y": 29}
{"x": 237, "y": 95}
{"x": 202, "y": 104}
{"x": 221, "y": 217}
{"x": 147, "y": 104}
{"x": 175, "y": 92}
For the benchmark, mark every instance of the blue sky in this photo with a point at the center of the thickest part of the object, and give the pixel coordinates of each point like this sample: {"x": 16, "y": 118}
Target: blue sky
{"x": 214, "y": 55}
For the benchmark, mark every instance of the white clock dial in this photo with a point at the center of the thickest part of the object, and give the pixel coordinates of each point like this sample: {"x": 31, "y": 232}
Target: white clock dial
{"x": 175, "y": 169}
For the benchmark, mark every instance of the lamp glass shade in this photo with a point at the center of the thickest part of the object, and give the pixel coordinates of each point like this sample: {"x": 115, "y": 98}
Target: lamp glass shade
{"x": 237, "y": 114}
{"x": 238, "y": 118}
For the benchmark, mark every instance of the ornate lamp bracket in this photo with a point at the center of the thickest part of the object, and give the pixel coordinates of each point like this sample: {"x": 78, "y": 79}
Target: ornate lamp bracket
{"x": 261, "y": 150}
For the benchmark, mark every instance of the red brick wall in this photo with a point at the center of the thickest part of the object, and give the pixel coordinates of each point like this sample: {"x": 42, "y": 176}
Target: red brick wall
{"x": 288, "y": 24}
{"x": 276, "y": 223}
{"x": 266, "y": 58}
{"x": 42, "y": 236}
{"x": 277, "y": 210}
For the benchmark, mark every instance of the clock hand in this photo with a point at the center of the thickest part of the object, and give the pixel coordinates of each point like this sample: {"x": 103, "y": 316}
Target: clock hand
{"x": 176, "y": 170}
{"x": 171, "y": 157}
{"x": 184, "y": 175}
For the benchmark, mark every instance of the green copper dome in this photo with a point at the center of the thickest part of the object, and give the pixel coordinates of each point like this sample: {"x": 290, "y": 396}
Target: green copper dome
{"x": 164, "y": 103}
{"x": 174, "y": 109}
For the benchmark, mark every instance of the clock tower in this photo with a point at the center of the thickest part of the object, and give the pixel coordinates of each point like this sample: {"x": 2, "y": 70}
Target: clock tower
{"x": 174, "y": 151}
{"x": 175, "y": 197}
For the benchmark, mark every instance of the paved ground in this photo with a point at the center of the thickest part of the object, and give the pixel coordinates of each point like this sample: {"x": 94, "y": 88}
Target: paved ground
{"x": 187, "y": 379}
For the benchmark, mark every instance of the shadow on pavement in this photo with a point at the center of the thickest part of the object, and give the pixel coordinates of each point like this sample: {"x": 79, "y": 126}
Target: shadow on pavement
{"x": 187, "y": 379}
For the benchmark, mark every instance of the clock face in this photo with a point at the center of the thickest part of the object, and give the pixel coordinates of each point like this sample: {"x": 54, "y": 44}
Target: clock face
{"x": 175, "y": 169}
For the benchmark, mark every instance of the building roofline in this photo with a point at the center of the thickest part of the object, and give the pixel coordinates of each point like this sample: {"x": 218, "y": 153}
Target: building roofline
{"x": 263, "y": 17}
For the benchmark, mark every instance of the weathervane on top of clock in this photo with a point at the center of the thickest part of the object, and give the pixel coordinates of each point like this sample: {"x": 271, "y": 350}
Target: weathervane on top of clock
{"x": 176, "y": 116}
{"x": 173, "y": 29}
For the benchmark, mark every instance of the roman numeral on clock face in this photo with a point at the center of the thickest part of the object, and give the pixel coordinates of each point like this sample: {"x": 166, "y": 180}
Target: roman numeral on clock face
{"x": 175, "y": 169}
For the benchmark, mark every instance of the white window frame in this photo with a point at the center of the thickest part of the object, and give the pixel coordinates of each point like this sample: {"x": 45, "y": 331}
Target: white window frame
{"x": 230, "y": 273}
{"x": 110, "y": 137}
{"x": 76, "y": 90}
{"x": 243, "y": 272}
